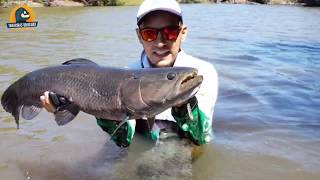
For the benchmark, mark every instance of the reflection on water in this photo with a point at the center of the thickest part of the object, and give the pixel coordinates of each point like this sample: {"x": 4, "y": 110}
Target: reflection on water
{"x": 266, "y": 119}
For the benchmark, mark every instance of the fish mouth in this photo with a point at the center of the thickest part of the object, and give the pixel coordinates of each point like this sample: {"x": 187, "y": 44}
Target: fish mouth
{"x": 190, "y": 85}
{"x": 189, "y": 78}
{"x": 191, "y": 81}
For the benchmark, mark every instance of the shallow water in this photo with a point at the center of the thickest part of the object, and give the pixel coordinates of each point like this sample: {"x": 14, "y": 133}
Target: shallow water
{"x": 266, "y": 120}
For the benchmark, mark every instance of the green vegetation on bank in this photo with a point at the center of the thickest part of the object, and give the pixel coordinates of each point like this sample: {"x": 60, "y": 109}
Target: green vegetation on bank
{"x": 2, "y": 1}
{"x": 113, "y": 2}
{"x": 131, "y": 2}
{"x": 98, "y": 2}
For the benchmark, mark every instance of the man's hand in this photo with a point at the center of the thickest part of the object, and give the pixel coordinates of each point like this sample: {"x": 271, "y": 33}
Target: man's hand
{"x": 46, "y": 102}
{"x": 186, "y": 107}
{"x": 192, "y": 120}
{"x": 53, "y": 102}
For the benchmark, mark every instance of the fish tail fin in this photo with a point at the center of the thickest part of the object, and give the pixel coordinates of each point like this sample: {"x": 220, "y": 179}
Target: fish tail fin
{"x": 10, "y": 103}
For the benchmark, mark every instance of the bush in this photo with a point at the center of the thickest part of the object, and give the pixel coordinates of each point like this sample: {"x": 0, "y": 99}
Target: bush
{"x": 113, "y": 2}
{"x": 2, "y": 1}
{"x": 102, "y": 2}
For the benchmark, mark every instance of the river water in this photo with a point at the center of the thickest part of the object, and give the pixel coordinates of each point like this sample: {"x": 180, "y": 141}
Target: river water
{"x": 266, "y": 120}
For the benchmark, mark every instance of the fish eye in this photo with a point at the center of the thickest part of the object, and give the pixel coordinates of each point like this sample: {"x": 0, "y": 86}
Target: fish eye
{"x": 171, "y": 76}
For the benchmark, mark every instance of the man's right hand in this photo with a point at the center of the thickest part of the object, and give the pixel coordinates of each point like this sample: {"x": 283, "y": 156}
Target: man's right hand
{"x": 53, "y": 102}
{"x": 46, "y": 102}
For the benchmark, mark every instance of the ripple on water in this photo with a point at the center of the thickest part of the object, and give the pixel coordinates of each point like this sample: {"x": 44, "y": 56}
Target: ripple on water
{"x": 222, "y": 39}
{"x": 8, "y": 119}
{"x": 58, "y": 138}
{"x": 9, "y": 129}
{"x": 42, "y": 131}
{"x": 4, "y": 167}
{"x": 245, "y": 57}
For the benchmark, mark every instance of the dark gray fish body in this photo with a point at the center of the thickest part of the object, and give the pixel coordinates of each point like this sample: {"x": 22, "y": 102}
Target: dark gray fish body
{"x": 108, "y": 93}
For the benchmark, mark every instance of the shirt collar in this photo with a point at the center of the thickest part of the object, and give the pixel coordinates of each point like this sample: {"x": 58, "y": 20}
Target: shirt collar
{"x": 145, "y": 63}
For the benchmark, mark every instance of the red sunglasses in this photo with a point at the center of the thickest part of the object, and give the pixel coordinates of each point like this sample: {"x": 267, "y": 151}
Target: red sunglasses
{"x": 170, "y": 33}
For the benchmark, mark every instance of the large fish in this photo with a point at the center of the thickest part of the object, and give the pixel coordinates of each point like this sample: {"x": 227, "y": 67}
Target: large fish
{"x": 107, "y": 93}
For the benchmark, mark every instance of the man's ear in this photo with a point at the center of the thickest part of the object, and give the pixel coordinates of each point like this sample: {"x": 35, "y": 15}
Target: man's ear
{"x": 184, "y": 32}
{"x": 138, "y": 35}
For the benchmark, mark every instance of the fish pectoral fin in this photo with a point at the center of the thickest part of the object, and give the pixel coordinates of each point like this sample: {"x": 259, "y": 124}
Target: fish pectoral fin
{"x": 79, "y": 61}
{"x": 29, "y": 112}
{"x": 67, "y": 114}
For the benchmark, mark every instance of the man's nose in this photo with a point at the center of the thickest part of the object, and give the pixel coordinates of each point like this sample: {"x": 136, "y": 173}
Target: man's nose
{"x": 160, "y": 41}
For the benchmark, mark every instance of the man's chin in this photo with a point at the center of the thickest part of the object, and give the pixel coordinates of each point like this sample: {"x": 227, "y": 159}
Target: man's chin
{"x": 164, "y": 62}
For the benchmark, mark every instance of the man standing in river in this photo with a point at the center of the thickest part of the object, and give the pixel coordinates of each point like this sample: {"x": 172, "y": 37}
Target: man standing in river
{"x": 161, "y": 32}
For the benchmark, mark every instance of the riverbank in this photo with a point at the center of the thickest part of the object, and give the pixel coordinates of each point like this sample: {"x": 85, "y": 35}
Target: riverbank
{"x": 80, "y": 3}
{"x": 36, "y": 3}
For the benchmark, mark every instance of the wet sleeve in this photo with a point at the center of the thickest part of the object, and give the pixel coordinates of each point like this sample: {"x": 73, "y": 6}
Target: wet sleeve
{"x": 107, "y": 125}
{"x": 123, "y": 135}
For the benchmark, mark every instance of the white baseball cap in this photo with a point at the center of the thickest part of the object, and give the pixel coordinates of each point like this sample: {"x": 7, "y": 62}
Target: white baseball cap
{"x": 148, "y": 6}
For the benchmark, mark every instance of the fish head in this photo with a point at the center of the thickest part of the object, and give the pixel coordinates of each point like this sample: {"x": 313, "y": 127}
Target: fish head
{"x": 150, "y": 91}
